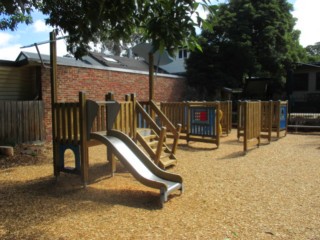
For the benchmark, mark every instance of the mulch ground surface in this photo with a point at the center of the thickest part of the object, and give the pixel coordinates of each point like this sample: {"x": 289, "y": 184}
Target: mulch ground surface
{"x": 272, "y": 192}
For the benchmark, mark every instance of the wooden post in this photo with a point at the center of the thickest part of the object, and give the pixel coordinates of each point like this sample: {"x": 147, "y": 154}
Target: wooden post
{"x": 53, "y": 82}
{"x": 245, "y": 126}
{"x": 110, "y": 156}
{"x": 134, "y": 117}
{"x": 151, "y": 79}
{"x": 270, "y": 119}
{"x": 218, "y": 124}
{"x": 83, "y": 139}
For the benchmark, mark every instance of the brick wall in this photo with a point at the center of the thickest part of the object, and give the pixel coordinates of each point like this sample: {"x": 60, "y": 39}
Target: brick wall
{"x": 96, "y": 83}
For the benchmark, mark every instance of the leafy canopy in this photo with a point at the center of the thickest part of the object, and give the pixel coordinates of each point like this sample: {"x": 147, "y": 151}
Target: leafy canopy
{"x": 167, "y": 24}
{"x": 248, "y": 39}
{"x": 313, "y": 52}
{"x": 13, "y": 12}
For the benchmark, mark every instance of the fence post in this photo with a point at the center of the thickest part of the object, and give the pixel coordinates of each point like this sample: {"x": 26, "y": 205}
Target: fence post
{"x": 83, "y": 138}
{"x": 111, "y": 158}
{"x": 134, "y": 116}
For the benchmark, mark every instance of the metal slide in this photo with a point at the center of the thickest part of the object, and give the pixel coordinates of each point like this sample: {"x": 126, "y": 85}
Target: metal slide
{"x": 139, "y": 164}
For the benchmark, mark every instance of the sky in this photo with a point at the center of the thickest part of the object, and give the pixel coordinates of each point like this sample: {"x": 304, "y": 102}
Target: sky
{"x": 306, "y": 12}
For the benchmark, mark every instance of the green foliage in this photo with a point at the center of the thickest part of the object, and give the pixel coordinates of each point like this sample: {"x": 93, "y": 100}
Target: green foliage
{"x": 13, "y": 12}
{"x": 313, "y": 52}
{"x": 168, "y": 24}
{"x": 248, "y": 39}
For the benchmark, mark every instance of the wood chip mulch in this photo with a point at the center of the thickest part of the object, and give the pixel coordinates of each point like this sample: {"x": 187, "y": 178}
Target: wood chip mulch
{"x": 272, "y": 192}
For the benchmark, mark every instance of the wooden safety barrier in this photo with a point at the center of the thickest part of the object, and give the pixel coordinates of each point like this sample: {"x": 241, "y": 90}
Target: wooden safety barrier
{"x": 274, "y": 118}
{"x": 249, "y": 123}
{"x": 199, "y": 120}
{"x": 226, "y": 120}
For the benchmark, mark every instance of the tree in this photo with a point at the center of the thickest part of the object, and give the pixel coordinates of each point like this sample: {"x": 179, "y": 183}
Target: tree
{"x": 118, "y": 47}
{"x": 249, "y": 39}
{"x": 313, "y": 52}
{"x": 168, "y": 24}
{"x": 13, "y": 12}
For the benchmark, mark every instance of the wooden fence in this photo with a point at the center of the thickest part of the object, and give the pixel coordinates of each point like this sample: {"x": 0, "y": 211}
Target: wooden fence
{"x": 21, "y": 122}
{"x": 177, "y": 112}
{"x": 226, "y": 121}
{"x": 249, "y": 123}
{"x": 196, "y": 129}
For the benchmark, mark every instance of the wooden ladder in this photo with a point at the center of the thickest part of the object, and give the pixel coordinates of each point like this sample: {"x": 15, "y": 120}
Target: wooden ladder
{"x": 156, "y": 147}
{"x": 153, "y": 138}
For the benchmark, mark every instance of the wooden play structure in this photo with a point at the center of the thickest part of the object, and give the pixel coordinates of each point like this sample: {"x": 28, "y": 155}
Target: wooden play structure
{"x": 151, "y": 133}
{"x": 226, "y": 119}
{"x": 87, "y": 123}
{"x": 274, "y": 118}
{"x": 270, "y": 117}
{"x": 249, "y": 123}
{"x": 70, "y": 132}
{"x": 201, "y": 121}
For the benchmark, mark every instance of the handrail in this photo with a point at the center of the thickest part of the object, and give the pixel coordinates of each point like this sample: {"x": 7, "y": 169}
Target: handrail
{"x": 147, "y": 117}
{"x": 160, "y": 144}
{"x": 165, "y": 120}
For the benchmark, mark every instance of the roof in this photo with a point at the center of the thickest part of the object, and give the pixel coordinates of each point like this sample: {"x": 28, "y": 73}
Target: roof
{"x": 90, "y": 60}
{"x": 29, "y": 57}
{"x": 119, "y": 62}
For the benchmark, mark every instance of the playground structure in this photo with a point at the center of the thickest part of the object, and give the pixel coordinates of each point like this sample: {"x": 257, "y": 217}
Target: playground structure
{"x": 152, "y": 126}
{"x": 88, "y": 123}
{"x": 226, "y": 120}
{"x": 258, "y": 119}
{"x": 249, "y": 123}
{"x": 201, "y": 121}
{"x": 274, "y": 118}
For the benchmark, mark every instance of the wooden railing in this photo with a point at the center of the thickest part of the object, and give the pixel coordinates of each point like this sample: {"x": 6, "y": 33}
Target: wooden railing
{"x": 21, "y": 121}
{"x": 226, "y": 120}
{"x": 67, "y": 123}
{"x": 249, "y": 122}
{"x": 177, "y": 113}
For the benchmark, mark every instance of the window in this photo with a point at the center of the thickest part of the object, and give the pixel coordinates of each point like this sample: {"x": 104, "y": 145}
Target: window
{"x": 183, "y": 53}
{"x": 318, "y": 81}
{"x": 301, "y": 81}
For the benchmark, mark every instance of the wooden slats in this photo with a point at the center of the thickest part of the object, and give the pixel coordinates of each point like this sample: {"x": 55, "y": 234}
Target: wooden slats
{"x": 17, "y": 83}
{"x": 249, "y": 122}
{"x": 67, "y": 123}
{"x": 124, "y": 120}
{"x": 226, "y": 121}
{"x": 176, "y": 112}
{"x": 21, "y": 121}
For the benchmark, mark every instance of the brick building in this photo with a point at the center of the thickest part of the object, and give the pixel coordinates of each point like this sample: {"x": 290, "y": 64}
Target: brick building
{"x": 95, "y": 74}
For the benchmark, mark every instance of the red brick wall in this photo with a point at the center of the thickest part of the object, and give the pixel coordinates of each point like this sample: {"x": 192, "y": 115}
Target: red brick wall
{"x": 96, "y": 83}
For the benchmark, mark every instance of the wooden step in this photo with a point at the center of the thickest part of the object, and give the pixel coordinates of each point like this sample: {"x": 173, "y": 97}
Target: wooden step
{"x": 153, "y": 144}
{"x": 145, "y": 131}
{"x": 167, "y": 162}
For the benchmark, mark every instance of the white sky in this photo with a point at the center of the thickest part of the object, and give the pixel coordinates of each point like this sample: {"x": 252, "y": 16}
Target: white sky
{"x": 306, "y": 11}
